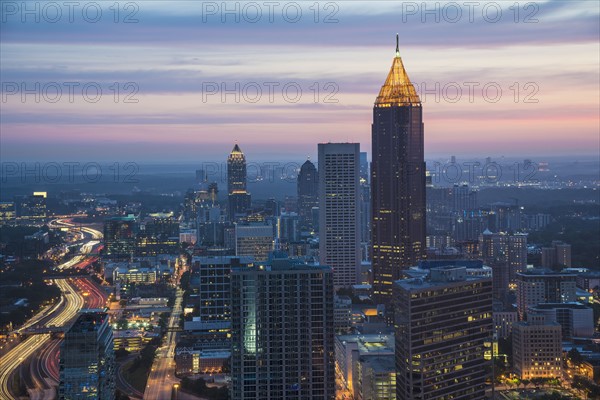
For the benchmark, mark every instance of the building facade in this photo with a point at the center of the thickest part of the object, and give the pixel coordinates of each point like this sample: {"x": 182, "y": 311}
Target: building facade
{"x": 539, "y": 286}
{"x": 87, "y": 360}
{"x": 442, "y": 325}
{"x": 282, "y": 332}
{"x": 339, "y": 213}
{"x": 537, "y": 348}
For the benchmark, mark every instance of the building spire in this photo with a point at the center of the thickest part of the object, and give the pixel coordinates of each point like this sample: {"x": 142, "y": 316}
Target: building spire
{"x": 397, "y": 46}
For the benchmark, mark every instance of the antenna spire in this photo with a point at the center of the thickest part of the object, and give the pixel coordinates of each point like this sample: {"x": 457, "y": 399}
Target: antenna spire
{"x": 397, "y": 46}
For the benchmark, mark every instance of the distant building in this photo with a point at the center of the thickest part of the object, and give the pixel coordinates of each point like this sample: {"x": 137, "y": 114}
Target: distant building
{"x": 308, "y": 194}
{"x": 559, "y": 254}
{"x": 537, "y": 348}
{"x": 87, "y": 361}
{"x": 157, "y": 234}
{"x": 8, "y": 212}
{"x": 255, "y": 241}
{"x": 239, "y": 199}
{"x": 506, "y": 252}
{"x": 282, "y": 332}
{"x": 442, "y": 325}
{"x": 339, "y": 197}
{"x": 538, "y": 286}
{"x": 33, "y": 206}
{"x": 119, "y": 237}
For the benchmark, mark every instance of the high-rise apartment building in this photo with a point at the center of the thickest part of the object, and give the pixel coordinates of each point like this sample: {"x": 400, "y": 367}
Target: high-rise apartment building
{"x": 339, "y": 211}
{"x": 397, "y": 180}
{"x": 442, "y": 324}
{"x": 282, "y": 332}
{"x": 87, "y": 361}
{"x": 213, "y": 324}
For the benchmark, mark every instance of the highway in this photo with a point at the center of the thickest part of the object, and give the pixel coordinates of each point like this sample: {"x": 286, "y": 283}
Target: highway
{"x": 72, "y": 304}
{"x": 76, "y": 293}
{"x": 162, "y": 376}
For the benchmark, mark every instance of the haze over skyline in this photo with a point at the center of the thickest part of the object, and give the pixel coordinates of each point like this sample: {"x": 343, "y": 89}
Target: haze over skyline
{"x": 173, "y": 55}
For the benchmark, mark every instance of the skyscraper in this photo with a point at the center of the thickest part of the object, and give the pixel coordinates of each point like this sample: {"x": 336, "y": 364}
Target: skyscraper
{"x": 308, "y": 193}
{"x": 87, "y": 360}
{"x": 282, "y": 332}
{"x": 397, "y": 180}
{"x": 239, "y": 199}
{"x": 120, "y": 236}
{"x": 442, "y": 324}
{"x": 339, "y": 211}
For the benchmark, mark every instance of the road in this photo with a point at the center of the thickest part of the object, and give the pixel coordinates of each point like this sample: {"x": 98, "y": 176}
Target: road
{"x": 73, "y": 302}
{"x": 76, "y": 293}
{"x": 162, "y": 376}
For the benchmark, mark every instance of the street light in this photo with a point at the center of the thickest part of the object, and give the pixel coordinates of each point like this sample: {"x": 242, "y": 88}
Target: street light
{"x": 176, "y": 386}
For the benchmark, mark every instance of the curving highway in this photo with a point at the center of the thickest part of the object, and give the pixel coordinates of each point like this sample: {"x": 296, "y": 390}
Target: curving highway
{"x": 11, "y": 361}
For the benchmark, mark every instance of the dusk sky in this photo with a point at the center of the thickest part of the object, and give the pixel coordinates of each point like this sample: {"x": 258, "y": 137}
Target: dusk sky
{"x": 176, "y": 50}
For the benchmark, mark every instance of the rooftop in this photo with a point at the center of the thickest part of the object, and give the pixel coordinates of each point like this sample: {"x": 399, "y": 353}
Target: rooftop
{"x": 88, "y": 322}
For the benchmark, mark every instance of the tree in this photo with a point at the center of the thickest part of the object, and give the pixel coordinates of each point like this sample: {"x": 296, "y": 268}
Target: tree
{"x": 574, "y": 356}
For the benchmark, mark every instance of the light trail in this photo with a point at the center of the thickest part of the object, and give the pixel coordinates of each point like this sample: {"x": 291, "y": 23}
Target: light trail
{"x": 11, "y": 361}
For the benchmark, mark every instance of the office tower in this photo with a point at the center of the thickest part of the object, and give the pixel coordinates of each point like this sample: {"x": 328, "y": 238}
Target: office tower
{"x": 537, "y": 348}
{"x": 87, "y": 361}
{"x": 254, "y": 241}
{"x": 308, "y": 194}
{"x": 538, "y": 286}
{"x": 119, "y": 237}
{"x": 158, "y": 234}
{"x": 272, "y": 207}
{"x": 364, "y": 167}
{"x": 559, "y": 254}
{"x": 282, "y": 332}
{"x": 287, "y": 227}
{"x": 397, "y": 180}
{"x": 239, "y": 199}
{"x": 339, "y": 213}
{"x": 213, "y": 324}
{"x": 442, "y": 323}
{"x": 576, "y": 319}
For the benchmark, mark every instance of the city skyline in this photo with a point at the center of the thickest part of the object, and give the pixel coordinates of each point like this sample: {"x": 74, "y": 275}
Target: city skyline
{"x": 170, "y": 68}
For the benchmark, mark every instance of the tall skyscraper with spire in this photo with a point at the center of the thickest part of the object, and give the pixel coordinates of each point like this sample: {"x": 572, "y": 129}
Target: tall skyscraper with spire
{"x": 238, "y": 199}
{"x": 397, "y": 180}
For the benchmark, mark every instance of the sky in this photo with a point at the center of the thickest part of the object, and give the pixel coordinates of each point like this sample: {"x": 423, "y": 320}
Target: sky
{"x": 158, "y": 81}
